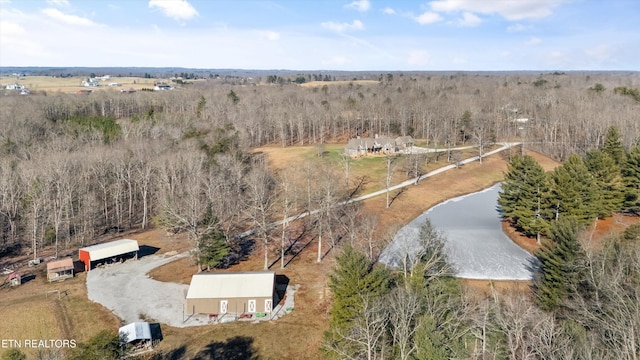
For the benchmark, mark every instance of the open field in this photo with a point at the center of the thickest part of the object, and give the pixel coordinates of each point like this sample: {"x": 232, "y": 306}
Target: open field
{"x": 73, "y": 84}
{"x": 371, "y": 168}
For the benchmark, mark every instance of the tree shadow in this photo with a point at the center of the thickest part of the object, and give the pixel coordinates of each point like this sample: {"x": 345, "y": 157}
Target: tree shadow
{"x": 397, "y": 195}
{"x": 292, "y": 248}
{"x": 146, "y": 250}
{"x": 235, "y": 348}
{"x": 240, "y": 250}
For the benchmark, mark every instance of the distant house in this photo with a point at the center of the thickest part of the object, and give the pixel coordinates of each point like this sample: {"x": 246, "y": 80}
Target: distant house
{"x": 162, "y": 87}
{"x": 15, "y": 86}
{"x": 359, "y": 146}
{"x": 404, "y": 143}
{"x": 378, "y": 145}
{"x": 237, "y": 293}
{"x": 114, "y": 84}
{"x": 90, "y": 83}
{"x": 60, "y": 270}
{"x": 384, "y": 144}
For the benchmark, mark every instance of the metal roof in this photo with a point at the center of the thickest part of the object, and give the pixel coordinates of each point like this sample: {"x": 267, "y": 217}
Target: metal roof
{"x": 135, "y": 331}
{"x": 60, "y": 265}
{"x": 232, "y": 285}
{"x": 113, "y": 248}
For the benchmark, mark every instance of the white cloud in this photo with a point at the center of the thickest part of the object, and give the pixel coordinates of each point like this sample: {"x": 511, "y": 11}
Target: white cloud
{"x": 10, "y": 29}
{"x": 176, "y": 9}
{"x": 270, "y": 35}
{"x": 511, "y": 10}
{"x": 342, "y": 27}
{"x": 418, "y": 58}
{"x": 63, "y": 3}
{"x": 388, "y": 11}
{"x": 517, "y": 28}
{"x": 533, "y": 41}
{"x": 469, "y": 19}
{"x": 67, "y": 18}
{"x": 360, "y": 5}
{"x": 428, "y": 17}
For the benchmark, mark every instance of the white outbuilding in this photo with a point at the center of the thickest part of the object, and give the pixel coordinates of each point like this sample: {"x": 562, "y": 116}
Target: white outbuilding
{"x": 114, "y": 251}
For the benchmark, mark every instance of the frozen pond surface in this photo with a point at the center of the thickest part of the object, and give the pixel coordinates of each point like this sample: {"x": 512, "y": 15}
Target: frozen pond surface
{"x": 474, "y": 241}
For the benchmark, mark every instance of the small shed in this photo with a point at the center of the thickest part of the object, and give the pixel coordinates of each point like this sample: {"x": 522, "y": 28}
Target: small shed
{"x": 60, "y": 270}
{"x": 112, "y": 251}
{"x": 239, "y": 293}
{"x": 141, "y": 334}
{"x": 15, "y": 278}
{"x": 135, "y": 332}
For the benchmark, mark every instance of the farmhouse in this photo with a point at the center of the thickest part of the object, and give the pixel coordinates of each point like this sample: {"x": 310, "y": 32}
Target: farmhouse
{"x": 404, "y": 143}
{"x": 60, "y": 270}
{"x": 15, "y": 86}
{"x": 111, "y": 251}
{"x": 239, "y": 293}
{"x": 378, "y": 145}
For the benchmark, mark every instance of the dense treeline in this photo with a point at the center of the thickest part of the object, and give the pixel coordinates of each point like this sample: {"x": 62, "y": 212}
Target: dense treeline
{"x": 602, "y": 182}
{"x": 75, "y": 167}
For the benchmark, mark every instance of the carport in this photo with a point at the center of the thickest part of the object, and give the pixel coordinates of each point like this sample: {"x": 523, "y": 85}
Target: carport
{"x": 115, "y": 250}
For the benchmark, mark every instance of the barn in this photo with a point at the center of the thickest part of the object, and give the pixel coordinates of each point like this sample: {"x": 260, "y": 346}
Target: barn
{"x": 111, "y": 251}
{"x": 60, "y": 270}
{"x": 239, "y": 293}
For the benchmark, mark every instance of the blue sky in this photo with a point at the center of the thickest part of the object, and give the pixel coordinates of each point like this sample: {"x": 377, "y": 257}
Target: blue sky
{"x": 323, "y": 35}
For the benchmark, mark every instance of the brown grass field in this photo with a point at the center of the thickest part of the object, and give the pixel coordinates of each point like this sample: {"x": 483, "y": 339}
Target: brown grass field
{"x": 28, "y": 314}
{"x": 73, "y": 84}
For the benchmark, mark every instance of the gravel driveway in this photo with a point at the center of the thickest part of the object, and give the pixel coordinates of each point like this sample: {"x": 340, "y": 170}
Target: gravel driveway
{"x": 129, "y": 292}
{"x": 132, "y": 295}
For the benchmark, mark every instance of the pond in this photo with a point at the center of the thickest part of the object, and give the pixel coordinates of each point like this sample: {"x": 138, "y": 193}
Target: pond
{"x": 475, "y": 244}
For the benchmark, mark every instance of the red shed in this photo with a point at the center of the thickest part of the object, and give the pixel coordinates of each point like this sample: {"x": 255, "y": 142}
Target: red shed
{"x": 112, "y": 250}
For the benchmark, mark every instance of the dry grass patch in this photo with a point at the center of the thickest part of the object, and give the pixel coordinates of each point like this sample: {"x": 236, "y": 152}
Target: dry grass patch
{"x": 73, "y": 84}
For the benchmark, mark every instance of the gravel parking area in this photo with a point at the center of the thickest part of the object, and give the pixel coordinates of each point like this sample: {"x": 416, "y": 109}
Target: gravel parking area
{"x": 132, "y": 295}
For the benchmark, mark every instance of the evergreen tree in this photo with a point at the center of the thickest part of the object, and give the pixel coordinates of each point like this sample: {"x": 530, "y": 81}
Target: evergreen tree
{"x": 608, "y": 179}
{"x": 558, "y": 259}
{"x": 104, "y": 345}
{"x": 354, "y": 279}
{"x": 631, "y": 180}
{"x": 574, "y": 193}
{"x": 213, "y": 248}
{"x": 613, "y": 145}
{"x": 523, "y": 195}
